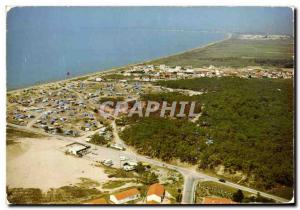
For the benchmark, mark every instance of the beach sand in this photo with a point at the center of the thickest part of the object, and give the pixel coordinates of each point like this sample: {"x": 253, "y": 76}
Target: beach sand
{"x": 38, "y": 163}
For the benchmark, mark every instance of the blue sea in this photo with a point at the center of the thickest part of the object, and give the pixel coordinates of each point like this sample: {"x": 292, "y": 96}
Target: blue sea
{"x": 44, "y": 43}
{"x": 38, "y": 56}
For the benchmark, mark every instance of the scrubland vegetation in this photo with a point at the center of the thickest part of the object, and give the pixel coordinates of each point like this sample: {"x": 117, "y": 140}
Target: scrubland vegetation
{"x": 249, "y": 123}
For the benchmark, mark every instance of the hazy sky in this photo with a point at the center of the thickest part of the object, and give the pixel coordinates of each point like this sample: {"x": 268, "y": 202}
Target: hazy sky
{"x": 274, "y": 20}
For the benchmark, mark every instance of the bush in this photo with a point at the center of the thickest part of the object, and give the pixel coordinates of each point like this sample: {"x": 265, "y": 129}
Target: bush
{"x": 98, "y": 140}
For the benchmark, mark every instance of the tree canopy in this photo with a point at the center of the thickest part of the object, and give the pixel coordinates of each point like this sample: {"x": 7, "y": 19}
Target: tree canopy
{"x": 246, "y": 125}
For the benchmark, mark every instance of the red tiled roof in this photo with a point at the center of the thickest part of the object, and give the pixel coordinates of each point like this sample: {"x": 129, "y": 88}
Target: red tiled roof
{"x": 127, "y": 193}
{"x": 96, "y": 201}
{"x": 156, "y": 189}
{"x": 218, "y": 201}
{"x": 152, "y": 202}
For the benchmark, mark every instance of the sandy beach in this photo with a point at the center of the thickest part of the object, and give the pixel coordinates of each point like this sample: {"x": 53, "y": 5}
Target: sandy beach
{"x": 38, "y": 163}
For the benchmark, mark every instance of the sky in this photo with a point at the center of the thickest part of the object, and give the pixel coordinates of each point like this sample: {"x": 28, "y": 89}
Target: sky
{"x": 266, "y": 20}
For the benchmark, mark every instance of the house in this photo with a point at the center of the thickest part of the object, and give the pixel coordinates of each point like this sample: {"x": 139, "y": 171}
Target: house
{"x": 77, "y": 149}
{"x": 163, "y": 67}
{"x": 127, "y": 74}
{"x": 98, "y": 79}
{"x": 156, "y": 193}
{"x": 97, "y": 201}
{"x": 125, "y": 196}
{"x": 217, "y": 201}
{"x": 189, "y": 71}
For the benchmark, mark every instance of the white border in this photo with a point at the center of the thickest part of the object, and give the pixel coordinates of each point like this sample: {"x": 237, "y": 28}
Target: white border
{"x": 4, "y": 3}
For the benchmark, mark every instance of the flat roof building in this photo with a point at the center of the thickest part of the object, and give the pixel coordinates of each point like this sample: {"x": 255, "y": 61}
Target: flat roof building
{"x": 77, "y": 149}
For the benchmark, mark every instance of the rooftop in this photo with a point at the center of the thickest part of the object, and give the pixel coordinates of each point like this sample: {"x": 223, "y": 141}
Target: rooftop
{"x": 217, "y": 201}
{"x": 76, "y": 146}
{"x": 127, "y": 193}
{"x": 96, "y": 201}
{"x": 156, "y": 189}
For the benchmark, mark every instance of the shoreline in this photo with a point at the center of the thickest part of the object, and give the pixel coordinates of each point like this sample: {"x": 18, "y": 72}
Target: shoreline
{"x": 227, "y": 37}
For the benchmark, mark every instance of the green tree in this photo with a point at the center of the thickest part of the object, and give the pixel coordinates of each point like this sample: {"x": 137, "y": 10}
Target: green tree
{"x": 238, "y": 196}
{"x": 98, "y": 140}
{"x": 149, "y": 178}
{"x": 140, "y": 168}
{"x": 179, "y": 196}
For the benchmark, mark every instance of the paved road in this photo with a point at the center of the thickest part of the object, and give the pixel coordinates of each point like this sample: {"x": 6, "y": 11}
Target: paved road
{"x": 188, "y": 190}
{"x": 190, "y": 176}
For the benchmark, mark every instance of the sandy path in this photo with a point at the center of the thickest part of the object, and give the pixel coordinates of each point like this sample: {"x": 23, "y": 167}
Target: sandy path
{"x": 40, "y": 164}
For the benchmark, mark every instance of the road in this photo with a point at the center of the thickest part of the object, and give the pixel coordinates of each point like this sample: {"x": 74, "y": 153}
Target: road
{"x": 116, "y": 136}
{"x": 191, "y": 177}
{"x": 189, "y": 188}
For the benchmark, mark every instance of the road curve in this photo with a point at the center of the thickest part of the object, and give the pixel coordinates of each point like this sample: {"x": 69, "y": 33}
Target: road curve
{"x": 189, "y": 175}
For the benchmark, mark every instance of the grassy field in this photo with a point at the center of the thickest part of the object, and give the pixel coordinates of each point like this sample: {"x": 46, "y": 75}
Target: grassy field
{"x": 114, "y": 184}
{"x": 12, "y": 134}
{"x": 62, "y": 195}
{"x": 236, "y": 53}
{"x": 213, "y": 189}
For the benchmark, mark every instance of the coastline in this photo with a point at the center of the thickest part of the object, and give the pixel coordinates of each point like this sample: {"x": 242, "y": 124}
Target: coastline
{"x": 227, "y": 37}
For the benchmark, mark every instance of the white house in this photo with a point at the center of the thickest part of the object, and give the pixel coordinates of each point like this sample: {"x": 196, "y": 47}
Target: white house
{"x": 178, "y": 68}
{"x": 77, "y": 149}
{"x": 189, "y": 70}
{"x": 98, "y": 79}
{"x": 125, "y": 196}
{"x": 127, "y": 74}
{"x": 155, "y": 194}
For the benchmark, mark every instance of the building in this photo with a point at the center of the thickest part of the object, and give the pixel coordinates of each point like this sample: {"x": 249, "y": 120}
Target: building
{"x": 97, "y": 201}
{"x": 125, "y": 196}
{"x": 129, "y": 165}
{"x": 117, "y": 146}
{"x": 218, "y": 201}
{"x": 77, "y": 149}
{"x": 98, "y": 79}
{"x": 156, "y": 193}
{"x": 128, "y": 168}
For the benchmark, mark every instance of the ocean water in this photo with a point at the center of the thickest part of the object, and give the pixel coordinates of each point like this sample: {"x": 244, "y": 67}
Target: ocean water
{"x": 36, "y": 55}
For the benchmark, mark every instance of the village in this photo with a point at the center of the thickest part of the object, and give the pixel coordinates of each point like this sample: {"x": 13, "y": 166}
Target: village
{"x": 70, "y": 109}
